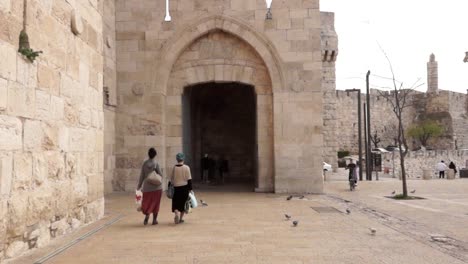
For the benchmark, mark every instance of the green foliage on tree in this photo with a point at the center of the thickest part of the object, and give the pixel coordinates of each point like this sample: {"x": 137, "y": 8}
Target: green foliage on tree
{"x": 343, "y": 153}
{"x": 425, "y": 131}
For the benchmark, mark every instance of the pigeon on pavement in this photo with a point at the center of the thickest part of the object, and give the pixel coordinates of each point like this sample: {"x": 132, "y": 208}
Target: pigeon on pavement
{"x": 373, "y": 230}
{"x": 413, "y": 191}
{"x": 295, "y": 222}
{"x": 348, "y": 211}
{"x": 289, "y": 197}
{"x": 287, "y": 216}
{"x": 393, "y": 192}
{"x": 203, "y": 203}
{"x": 301, "y": 197}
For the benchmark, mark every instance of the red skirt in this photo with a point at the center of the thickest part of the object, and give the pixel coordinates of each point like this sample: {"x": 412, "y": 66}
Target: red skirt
{"x": 151, "y": 201}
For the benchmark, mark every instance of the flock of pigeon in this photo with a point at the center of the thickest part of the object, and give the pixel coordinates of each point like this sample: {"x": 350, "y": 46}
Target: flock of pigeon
{"x": 288, "y": 217}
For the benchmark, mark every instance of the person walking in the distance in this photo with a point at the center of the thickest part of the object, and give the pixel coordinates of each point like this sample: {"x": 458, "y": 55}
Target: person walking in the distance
{"x": 182, "y": 181}
{"x": 441, "y": 168}
{"x": 352, "y": 171}
{"x": 205, "y": 166}
{"x": 223, "y": 168}
{"x": 453, "y": 169}
{"x": 151, "y": 193}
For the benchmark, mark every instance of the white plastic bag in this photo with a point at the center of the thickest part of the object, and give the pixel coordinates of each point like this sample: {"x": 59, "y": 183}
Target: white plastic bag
{"x": 193, "y": 200}
{"x": 138, "y": 199}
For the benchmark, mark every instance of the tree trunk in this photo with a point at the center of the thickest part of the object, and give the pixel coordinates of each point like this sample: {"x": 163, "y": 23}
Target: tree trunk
{"x": 403, "y": 172}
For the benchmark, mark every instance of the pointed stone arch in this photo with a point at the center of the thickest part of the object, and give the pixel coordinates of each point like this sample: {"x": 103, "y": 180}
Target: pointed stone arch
{"x": 175, "y": 45}
{"x": 263, "y": 72}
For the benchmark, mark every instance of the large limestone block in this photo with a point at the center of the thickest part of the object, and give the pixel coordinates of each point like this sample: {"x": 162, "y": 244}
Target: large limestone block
{"x": 62, "y": 203}
{"x": 33, "y": 135}
{"x": 8, "y": 61}
{"x": 80, "y": 191}
{"x": 3, "y": 94}
{"x": 6, "y": 175}
{"x": 94, "y": 210}
{"x": 3, "y": 224}
{"x": 42, "y": 105}
{"x": 21, "y": 100}
{"x": 22, "y": 171}
{"x": 40, "y": 204}
{"x": 17, "y": 212}
{"x": 95, "y": 187}
{"x": 11, "y": 130}
{"x": 44, "y": 234}
{"x": 26, "y": 72}
{"x": 48, "y": 79}
{"x": 15, "y": 249}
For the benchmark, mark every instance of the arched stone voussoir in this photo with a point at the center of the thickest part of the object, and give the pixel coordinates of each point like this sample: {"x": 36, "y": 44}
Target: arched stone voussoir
{"x": 194, "y": 30}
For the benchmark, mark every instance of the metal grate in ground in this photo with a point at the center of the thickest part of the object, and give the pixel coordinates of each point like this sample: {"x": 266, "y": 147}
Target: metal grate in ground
{"x": 325, "y": 209}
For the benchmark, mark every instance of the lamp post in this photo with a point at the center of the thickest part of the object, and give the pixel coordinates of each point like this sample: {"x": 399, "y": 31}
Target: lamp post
{"x": 167, "y": 18}
{"x": 268, "y": 16}
{"x": 359, "y": 128}
{"x": 368, "y": 145}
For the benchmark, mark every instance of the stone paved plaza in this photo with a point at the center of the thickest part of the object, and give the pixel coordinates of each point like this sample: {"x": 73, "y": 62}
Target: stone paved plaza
{"x": 246, "y": 227}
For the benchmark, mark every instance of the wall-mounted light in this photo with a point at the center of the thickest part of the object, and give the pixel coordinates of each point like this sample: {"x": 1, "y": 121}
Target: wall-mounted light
{"x": 168, "y": 16}
{"x": 269, "y": 15}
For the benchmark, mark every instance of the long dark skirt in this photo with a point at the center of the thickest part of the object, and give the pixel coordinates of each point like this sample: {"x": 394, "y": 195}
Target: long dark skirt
{"x": 151, "y": 202}
{"x": 181, "y": 195}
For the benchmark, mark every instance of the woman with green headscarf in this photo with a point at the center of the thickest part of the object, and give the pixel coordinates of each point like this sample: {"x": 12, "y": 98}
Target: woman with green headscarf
{"x": 182, "y": 181}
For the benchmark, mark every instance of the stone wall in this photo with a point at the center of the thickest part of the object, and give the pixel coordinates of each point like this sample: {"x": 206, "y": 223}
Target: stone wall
{"x": 149, "y": 114}
{"x": 418, "y": 161}
{"x": 447, "y": 108}
{"x": 110, "y": 92}
{"x": 51, "y": 122}
{"x": 329, "y": 54}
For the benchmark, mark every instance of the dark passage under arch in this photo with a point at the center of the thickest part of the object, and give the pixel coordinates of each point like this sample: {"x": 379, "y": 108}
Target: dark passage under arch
{"x": 219, "y": 119}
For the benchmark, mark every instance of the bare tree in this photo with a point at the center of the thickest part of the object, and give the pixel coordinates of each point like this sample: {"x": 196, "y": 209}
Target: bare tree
{"x": 376, "y": 139}
{"x": 400, "y": 98}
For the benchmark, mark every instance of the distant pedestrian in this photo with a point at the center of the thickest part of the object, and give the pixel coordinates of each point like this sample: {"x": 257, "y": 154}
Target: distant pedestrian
{"x": 352, "y": 171}
{"x": 182, "y": 181}
{"x": 205, "y": 166}
{"x": 453, "y": 167}
{"x": 223, "y": 168}
{"x": 151, "y": 193}
{"x": 441, "y": 168}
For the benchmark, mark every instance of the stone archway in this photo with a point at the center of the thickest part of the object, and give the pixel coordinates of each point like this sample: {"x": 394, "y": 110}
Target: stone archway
{"x": 219, "y": 56}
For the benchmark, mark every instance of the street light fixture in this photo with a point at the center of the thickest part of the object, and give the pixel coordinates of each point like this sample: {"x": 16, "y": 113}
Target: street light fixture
{"x": 359, "y": 128}
{"x": 269, "y": 15}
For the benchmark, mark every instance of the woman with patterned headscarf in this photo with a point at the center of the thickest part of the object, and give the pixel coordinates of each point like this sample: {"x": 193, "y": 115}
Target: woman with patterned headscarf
{"x": 182, "y": 181}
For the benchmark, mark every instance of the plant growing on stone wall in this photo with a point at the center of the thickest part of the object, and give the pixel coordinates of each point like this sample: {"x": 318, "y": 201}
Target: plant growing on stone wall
{"x": 425, "y": 131}
{"x": 400, "y": 98}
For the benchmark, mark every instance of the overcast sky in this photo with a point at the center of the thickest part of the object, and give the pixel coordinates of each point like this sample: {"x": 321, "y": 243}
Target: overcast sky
{"x": 409, "y": 31}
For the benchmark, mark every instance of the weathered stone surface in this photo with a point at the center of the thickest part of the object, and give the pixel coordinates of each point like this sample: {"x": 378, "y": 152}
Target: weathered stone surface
{"x": 3, "y": 94}
{"x": 17, "y": 210}
{"x": 48, "y": 109}
{"x": 6, "y": 175}
{"x": 10, "y": 133}
{"x": 16, "y": 248}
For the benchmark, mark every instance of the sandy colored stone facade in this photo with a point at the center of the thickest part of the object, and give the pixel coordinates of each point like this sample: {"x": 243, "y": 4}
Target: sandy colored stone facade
{"x": 77, "y": 122}
{"x": 222, "y": 42}
{"x": 51, "y": 121}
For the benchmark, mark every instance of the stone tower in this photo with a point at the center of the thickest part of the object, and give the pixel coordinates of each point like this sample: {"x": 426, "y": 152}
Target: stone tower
{"x": 432, "y": 75}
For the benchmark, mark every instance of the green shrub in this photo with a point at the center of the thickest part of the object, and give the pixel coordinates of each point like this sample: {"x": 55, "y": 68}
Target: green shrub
{"x": 343, "y": 153}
